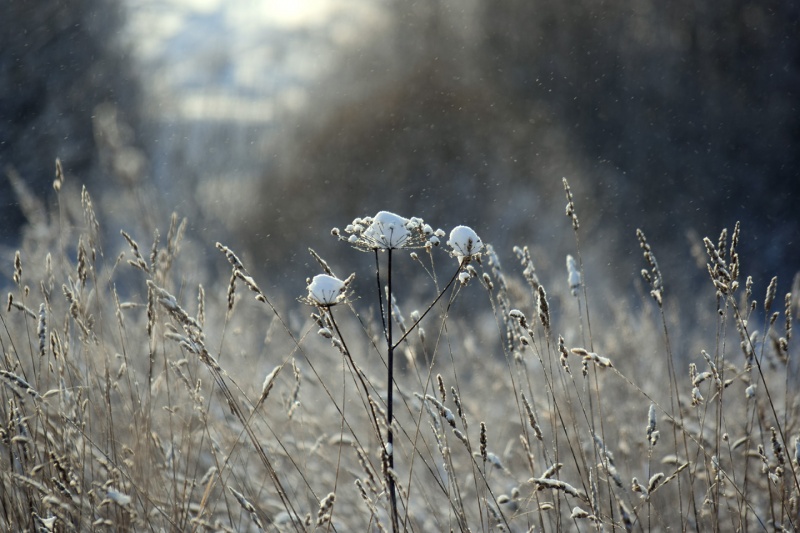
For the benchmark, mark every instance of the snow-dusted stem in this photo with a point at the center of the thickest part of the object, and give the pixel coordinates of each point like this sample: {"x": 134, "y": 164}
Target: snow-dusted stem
{"x": 390, "y": 389}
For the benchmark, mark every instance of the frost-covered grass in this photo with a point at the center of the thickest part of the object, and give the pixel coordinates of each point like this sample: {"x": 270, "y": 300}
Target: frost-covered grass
{"x": 144, "y": 391}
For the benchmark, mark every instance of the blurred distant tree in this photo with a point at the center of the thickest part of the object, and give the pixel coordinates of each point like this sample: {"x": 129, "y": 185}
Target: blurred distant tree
{"x": 688, "y": 102}
{"x": 675, "y": 116}
{"x": 59, "y": 60}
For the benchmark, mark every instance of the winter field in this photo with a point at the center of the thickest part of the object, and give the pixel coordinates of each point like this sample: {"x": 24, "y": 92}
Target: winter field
{"x": 368, "y": 267}
{"x": 143, "y": 391}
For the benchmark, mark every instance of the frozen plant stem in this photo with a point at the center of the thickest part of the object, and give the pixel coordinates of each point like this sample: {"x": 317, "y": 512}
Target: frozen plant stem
{"x": 391, "y": 346}
{"x": 387, "y": 328}
{"x": 388, "y": 232}
{"x": 390, "y": 389}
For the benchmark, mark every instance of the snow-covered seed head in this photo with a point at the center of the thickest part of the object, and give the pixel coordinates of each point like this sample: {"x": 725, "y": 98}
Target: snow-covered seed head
{"x": 697, "y": 398}
{"x": 652, "y": 433}
{"x": 577, "y": 512}
{"x": 465, "y": 243}
{"x": 325, "y": 290}
{"x": 269, "y": 381}
{"x": 574, "y": 275}
{"x": 520, "y": 316}
{"x": 388, "y": 231}
{"x": 118, "y": 497}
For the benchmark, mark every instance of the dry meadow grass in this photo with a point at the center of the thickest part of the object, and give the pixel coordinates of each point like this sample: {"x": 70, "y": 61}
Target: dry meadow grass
{"x": 142, "y": 391}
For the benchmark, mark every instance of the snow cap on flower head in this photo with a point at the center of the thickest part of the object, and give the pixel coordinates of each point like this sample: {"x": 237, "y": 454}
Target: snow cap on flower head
{"x": 325, "y": 290}
{"x": 465, "y": 243}
{"x": 388, "y": 231}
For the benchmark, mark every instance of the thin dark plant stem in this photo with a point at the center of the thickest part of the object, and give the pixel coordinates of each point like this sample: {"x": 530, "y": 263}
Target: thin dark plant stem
{"x": 435, "y": 301}
{"x": 389, "y": 391}
{"x": 356, "y": 372}
{"x": 430, "y": 362}
{"x": 779, "y": 426}
{"x": 380, "y": 292}
{"x": 674, "y": 399}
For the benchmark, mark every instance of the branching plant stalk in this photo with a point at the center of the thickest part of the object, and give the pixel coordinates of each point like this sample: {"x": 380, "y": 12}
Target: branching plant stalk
{"x": 391, "y": 346}
{"x": 431, "y": 306}
{"x": 416, "y": 323}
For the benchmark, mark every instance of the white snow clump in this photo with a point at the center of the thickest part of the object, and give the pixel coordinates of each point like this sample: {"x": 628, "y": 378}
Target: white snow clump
{"x": 574, "y": 275}
{"x": 465, "y": 243}
{"x": 388, "y": 231}
{"x": 326, "y": 290}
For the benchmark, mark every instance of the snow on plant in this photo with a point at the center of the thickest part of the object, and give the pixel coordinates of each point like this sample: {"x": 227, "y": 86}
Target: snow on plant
{"x": 465, "y": 244}
{"x": 388, "y": 231}
{"x": 325, "y": 290}
{"x": 573, "y": 275}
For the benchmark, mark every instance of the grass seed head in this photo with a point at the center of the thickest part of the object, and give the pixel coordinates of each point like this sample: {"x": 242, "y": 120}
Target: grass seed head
{"x": 269, "y": 382}
{"x": 772, "y": 290}
{"x": 484, "y": 441}
{"x": 570, "y": 209}
{"x": 543, "y": 307}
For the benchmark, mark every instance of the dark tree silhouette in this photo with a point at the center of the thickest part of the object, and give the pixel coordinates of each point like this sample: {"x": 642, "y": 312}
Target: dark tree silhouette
{"x": 59, "y": 60}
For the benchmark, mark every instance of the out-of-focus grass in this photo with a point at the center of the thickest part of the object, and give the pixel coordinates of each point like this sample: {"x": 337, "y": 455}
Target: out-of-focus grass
{"x": 144, "y": 390}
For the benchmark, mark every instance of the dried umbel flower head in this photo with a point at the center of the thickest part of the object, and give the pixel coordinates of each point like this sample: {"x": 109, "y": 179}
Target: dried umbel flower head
{"x": 326, "y": 291}
{"x": 388, "y": 231}
{"x": 465, "y": 244}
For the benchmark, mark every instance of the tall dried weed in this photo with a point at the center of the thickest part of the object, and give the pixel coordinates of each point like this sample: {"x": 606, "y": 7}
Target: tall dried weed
{"x": 150, "y": 393}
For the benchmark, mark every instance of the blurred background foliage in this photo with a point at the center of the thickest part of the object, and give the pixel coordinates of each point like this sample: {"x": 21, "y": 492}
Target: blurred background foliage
{"x": 63, "y": 68}
{"x": 676, "y": 117}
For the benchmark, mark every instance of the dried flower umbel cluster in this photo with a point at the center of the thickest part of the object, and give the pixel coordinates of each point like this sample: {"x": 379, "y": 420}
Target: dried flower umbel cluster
{"x": 325, "y": 290}
{"x": 388, "y": 232}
